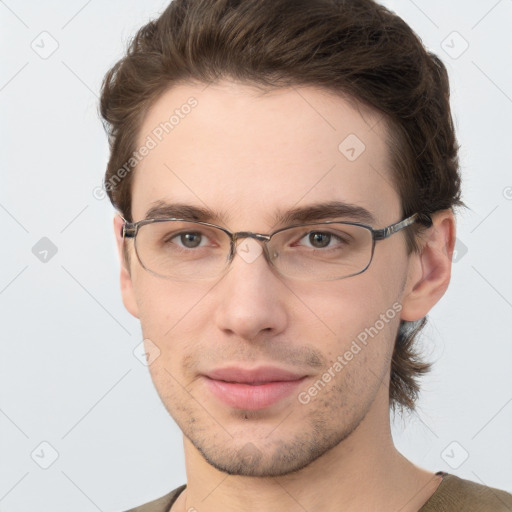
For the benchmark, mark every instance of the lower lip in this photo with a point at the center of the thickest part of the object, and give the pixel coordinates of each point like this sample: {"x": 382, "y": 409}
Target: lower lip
{"x": 249, "y": 397}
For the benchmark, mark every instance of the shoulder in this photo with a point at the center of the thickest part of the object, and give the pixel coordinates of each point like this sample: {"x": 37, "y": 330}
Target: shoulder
{"x": 454, "y": 494}
{"x": 161, "y": 504}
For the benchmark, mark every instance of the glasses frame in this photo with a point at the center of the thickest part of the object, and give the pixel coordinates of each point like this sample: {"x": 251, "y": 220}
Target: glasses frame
{"x": 130, "y": 230}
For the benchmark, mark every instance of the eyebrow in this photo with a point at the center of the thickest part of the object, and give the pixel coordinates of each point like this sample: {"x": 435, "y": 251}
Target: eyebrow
{"x": 325, "y": 211}
{"x": 310, "y": 213}
{"x": 161, "y": 209}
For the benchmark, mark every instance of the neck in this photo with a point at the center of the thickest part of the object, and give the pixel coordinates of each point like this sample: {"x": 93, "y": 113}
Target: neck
{"x": 363, "y": 472}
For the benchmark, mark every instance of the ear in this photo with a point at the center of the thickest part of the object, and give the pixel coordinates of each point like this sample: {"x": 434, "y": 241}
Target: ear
{"x": 429, "y": 268}
{"x": 127, "y": 291}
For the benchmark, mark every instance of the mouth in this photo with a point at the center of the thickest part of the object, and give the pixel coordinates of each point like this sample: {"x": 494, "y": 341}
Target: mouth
{"x": 248, "y": 383}
{"x": 252, "y": 389}
{"x": 259, "y": 375}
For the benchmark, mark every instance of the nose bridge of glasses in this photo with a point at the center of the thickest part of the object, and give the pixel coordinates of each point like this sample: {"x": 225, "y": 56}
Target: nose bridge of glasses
{"x": 241, "y": 235}
{"x": 249, "y": 234}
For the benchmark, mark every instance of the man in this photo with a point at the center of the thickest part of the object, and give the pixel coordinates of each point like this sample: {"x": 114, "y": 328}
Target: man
{"x": 285, "y": 174}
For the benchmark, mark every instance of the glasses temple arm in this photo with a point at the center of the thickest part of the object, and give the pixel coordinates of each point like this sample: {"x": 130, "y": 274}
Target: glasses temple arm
{"x": 381, "y": 234}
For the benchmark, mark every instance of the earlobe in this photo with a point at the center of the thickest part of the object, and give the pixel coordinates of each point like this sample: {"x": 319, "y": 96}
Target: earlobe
{"x": 430, "y": 268}
{"x": 127, "y": 290}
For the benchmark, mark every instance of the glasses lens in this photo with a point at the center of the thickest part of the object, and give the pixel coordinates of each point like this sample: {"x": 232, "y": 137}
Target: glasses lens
{"x": 182, "y": 250}
{"x": 190, "y": 250}
{"x": 322, "y": 251}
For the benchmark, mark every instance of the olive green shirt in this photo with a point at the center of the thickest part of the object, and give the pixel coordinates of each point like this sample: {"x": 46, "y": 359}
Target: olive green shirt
{"x": 453, "y": 494}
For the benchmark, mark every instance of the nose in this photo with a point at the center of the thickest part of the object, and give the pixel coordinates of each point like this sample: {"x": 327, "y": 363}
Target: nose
{"x": 251, "y": 297}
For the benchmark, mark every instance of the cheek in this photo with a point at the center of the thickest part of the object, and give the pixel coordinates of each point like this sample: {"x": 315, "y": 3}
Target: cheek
{"x": 353, "y": 321}
{"x": 348, "y": 306}
{"x": 164, "y": 303}
{"x": 171, "y": 315}
{"x": 365, "y": 322}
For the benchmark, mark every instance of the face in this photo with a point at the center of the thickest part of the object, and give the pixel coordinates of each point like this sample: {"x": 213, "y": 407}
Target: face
{"x": 249, "y": 157}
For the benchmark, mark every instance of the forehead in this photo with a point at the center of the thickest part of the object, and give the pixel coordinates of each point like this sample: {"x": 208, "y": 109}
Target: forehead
{"x": 234, "y": 150}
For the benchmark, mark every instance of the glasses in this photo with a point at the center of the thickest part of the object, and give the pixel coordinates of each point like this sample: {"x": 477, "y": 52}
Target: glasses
{"x": 185, "y": 250}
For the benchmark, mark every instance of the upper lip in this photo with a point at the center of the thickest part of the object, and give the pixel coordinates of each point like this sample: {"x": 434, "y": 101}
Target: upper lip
{"x": 254, "y": 375}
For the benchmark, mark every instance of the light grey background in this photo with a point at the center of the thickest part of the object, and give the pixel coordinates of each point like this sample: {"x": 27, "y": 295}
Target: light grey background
{"x": 68, "y": 374}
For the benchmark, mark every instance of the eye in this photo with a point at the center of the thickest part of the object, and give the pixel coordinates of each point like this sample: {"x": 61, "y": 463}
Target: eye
{"x": 189, "y": 240}
{"x": 321, "y": 240}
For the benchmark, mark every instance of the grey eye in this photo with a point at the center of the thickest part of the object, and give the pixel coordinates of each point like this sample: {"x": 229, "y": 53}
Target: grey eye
{"x": 319, "y": 240}
{"x": 190, "y": 240}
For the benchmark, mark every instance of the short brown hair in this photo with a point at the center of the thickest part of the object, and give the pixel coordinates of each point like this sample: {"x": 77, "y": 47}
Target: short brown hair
{"x": 355, "y": 48}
